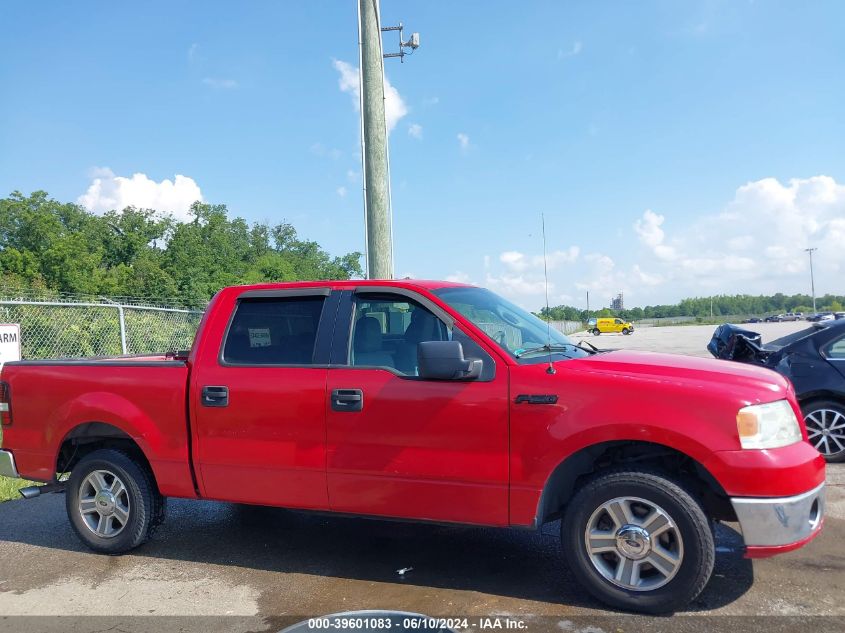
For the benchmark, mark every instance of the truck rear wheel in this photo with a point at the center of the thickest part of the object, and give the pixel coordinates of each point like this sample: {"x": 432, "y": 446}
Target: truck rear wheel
{"x": 638, "y": 541}
{"x": 112, "y": 502}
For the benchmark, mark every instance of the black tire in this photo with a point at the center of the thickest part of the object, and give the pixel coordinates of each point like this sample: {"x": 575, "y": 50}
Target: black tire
{"x": 626, "y": 331}
{"x": 696, "y": 543}
{"x": 826, "y": 413}
{"x": 138, "y": 493}
{"x": 596, "y": 332}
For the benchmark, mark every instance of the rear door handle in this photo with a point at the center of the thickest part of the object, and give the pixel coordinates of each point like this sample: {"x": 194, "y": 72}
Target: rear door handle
{"x": 215, "y": 396}
{"x": 347, "y": 400}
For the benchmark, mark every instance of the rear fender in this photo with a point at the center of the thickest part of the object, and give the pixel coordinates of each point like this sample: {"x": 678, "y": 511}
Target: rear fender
{"x": 110, "y": 409}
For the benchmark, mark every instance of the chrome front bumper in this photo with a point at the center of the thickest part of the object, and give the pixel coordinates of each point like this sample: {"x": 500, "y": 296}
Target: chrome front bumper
{"x": 7, "y": 465}
{"x": 772, "y": 522}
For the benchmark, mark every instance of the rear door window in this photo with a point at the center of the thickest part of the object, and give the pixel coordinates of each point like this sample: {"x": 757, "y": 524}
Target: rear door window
{"x": 836, "y": 350}
{"x": 277, "y": 331}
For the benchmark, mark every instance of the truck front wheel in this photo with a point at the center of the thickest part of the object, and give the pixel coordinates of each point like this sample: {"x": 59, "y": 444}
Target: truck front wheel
{"x": 638, "y": 541}
{"x": 112, "y": 502}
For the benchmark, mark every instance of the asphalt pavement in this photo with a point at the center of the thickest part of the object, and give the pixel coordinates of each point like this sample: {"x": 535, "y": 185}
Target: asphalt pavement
{"x": 217, "y": 566}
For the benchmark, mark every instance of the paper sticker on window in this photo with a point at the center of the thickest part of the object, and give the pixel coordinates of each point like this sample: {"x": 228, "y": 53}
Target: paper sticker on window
{"x": 259, "y": 337}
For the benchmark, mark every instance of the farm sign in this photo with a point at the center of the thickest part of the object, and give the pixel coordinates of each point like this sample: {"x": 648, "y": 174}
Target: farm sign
{"x": 10, "y": 342}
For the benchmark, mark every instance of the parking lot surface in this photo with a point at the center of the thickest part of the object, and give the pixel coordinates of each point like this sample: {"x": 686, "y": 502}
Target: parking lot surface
{"x": 256, "y": 568}
{"x": 682, "y": 339}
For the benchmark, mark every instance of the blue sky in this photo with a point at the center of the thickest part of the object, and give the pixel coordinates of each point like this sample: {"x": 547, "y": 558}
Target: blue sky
{"x": 676, "y": 149}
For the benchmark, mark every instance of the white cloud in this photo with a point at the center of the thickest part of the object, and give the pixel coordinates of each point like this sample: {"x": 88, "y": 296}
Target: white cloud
{"x": 460, "y": 278}
{"x": 192, "y": 52}
{"x": 519, "y": 262}
{"x": 601, "y": 278}
{"x": 556, "y": 258}
{"x": 515, "y": 285}
{"x": 572, "y": 51}
{"x": 431, "y": 101}
{"x": 514, "y": 260}
{"x": 341, "y": 191}
{"x": 463, "y": 141}
{"x": 522, "y": 277}
{"x": 651, "y": 234}
{"x": 756, "y": 244}
{"x": 648, "y": 228}
{"x": 348, "y": 82}
{"x": 645, "y": 278}
{"x": 108, "y": 192}
{"x": 220, "y": 83}
{"x": 415, "y": 131}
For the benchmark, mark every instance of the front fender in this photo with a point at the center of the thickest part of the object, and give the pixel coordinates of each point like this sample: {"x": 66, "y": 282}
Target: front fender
{"x": 527, "y": 501}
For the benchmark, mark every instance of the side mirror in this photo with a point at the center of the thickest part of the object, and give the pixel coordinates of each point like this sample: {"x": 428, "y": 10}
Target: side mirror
{"x": 444, "y": 360}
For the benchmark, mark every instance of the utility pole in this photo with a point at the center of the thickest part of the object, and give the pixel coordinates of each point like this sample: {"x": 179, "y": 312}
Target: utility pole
{"x": 376, "y": 163}
{"x": 374, "y": 144}
{"x": 588, "y": 301}
{"x": 812, "y": 280}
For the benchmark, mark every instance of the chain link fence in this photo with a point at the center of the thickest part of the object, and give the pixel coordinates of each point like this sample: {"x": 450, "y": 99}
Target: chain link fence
{"x": 567, "y": 327}
{"x": 65, "y": 328}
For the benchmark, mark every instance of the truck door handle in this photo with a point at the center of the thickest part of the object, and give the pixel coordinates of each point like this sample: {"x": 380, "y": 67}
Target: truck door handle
{"x": 347, "y": 400}
{"x": 215, "y": 396}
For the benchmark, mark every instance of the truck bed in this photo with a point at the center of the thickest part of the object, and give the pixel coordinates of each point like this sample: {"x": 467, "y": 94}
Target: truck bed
{"x": 145, "y": 396}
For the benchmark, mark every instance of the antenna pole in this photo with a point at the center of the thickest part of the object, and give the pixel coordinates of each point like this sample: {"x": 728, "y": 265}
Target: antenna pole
{"x": 551, "y": 368}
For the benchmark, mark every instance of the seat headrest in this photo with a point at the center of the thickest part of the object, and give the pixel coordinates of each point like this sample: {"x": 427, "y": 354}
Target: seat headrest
{"x": 423, "y": 327}
{"x": 367, "y": 335}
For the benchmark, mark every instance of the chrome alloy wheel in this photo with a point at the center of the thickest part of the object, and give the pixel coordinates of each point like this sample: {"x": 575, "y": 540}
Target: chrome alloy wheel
{"x": 826, "y": 431}
{"x": 104, "y": 503}
{"x": 634, "y": 544}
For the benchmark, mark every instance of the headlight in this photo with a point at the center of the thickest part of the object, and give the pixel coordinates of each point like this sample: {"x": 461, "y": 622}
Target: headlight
{"x": 769, "y": 425}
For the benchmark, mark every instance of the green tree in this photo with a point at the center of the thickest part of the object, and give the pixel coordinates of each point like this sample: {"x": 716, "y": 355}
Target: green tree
{"x": 62, "y": 247}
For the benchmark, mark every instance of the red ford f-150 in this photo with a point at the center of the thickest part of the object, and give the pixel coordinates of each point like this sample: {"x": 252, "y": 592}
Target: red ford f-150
{"x": 426, "y": 401}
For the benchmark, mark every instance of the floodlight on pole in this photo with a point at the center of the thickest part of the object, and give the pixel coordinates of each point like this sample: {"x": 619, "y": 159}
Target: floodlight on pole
{"x": 413, "y": 43}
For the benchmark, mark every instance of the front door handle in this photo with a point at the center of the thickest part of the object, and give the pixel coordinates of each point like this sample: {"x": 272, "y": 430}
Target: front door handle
{"x": 215, "y": 396}
{"x": 347, "y": 400}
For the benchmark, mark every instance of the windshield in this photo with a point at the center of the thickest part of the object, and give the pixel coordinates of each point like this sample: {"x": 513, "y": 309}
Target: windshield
{"x": 520, "y": 333}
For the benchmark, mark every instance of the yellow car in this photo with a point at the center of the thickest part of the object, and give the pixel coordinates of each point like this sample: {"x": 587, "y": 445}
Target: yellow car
{"x": 608, "y": 325}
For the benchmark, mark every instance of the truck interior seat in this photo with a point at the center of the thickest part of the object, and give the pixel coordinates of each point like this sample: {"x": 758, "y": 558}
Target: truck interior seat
{"x": 367, "y": 345}
{"x": 424, "y": 326}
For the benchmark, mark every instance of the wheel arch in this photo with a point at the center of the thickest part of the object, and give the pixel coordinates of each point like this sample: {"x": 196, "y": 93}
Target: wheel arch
{"x": 87, "y": 437}
{"x": 594, "y": 458}
{"x": 822, "y": 394}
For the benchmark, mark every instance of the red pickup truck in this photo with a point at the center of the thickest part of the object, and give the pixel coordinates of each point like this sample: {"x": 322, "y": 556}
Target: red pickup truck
{"x": 426, "y": 401}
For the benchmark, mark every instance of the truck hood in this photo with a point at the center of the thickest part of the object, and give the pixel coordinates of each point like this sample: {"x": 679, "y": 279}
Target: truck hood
{"x": 689, "y": 369}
